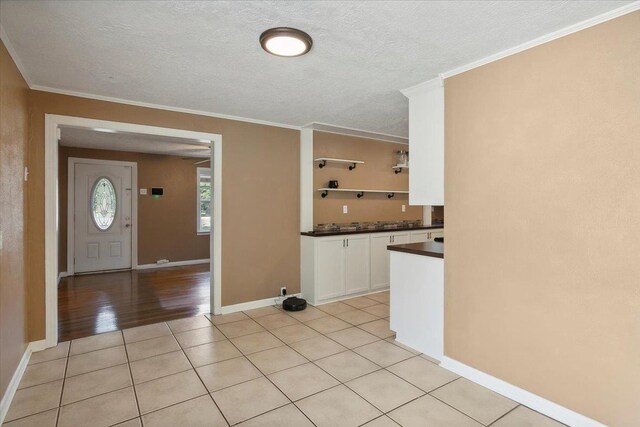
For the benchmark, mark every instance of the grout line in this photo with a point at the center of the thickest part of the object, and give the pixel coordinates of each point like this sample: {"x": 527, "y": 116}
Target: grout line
{"x": 198, "y": 374}
{"x": 64, "y": 380}
{"x": 133, "y": 384}
{"x": 504, "y": 415}
{"x": 463, "y": 413}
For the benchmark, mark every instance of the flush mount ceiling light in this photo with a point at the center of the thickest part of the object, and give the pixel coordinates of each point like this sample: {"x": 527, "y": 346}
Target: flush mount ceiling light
{"x": 284, "y": 41}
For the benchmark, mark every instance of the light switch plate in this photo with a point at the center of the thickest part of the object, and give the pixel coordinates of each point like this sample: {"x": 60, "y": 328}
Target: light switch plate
{"x": 345, "y": 209}
{"x": 143, "y": 191}
{"x": 404, "y": 208}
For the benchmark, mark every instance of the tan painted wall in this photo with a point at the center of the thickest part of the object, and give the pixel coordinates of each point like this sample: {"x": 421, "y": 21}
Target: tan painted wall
{"x": 166, "y": 225}
{"x": 376, "y": 173}
{"x": 260, "y": 197}
{"x": 13, "y": 150}
{"x": 542, "y": 193}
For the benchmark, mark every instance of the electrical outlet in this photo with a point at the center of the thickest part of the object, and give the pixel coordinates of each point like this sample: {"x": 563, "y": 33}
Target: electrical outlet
{"x": 404, "y": 208}
{"x": 283, "y": 291}
{"x": 345, "y": 209}
{"x": 143, "y": 191}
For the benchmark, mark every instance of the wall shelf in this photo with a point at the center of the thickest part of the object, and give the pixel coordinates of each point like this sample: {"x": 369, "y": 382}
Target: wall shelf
{"x": 360, "y": 193}
{"x": 324, "y": 160}
{"x": 398, "y": 168}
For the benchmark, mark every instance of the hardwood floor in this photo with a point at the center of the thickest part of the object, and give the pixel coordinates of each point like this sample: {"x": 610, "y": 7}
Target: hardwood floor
{"x": 97, "y": 303}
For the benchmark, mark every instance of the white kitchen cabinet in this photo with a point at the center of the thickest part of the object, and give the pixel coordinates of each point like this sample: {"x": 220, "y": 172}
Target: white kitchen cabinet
{"x": 419, "y": 236}
{"x": 333, "y": 267}
{"x": 426, "y": 143}
{"x": 357, "y": 264}
{"x": 330, "y": 267}
{"x": 380, "y": 256}
{"x": 439, "y": 232}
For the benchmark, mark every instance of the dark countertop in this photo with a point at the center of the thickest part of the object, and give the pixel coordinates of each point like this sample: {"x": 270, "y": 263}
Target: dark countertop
{"x": 363, "y": 231}
{"x": 432, "y": 249}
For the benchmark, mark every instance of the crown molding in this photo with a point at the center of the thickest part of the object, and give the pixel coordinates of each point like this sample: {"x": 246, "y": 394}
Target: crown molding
{"x": 423, "y": 87}
{"x": 12, "y": 53}
{"x": 574, "y": 28}
{"x": 162, "y": 107}
{"x": 358, "y": 133}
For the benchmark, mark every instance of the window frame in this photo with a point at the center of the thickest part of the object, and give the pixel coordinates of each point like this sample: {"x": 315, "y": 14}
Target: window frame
{"x": 200, "y": 172}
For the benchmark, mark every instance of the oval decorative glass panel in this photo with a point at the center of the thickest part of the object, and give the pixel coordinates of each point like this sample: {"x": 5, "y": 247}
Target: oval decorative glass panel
{"x": 103, "y": 203}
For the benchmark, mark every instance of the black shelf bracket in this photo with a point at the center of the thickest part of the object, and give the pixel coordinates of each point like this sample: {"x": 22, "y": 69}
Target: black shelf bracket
{"x": 360, "y": 194}
{"x": 390, "y": 195}
{"x": 322, "y": 164}
{"x": 324, "y": 194}
{"x": 352, "y": 167}
{"x": 397, "y": 170}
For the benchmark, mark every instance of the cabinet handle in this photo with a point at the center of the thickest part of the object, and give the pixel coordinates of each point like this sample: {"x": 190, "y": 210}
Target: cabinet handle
{"x": 347, "y": 242}
{"x": 344, "y": 243}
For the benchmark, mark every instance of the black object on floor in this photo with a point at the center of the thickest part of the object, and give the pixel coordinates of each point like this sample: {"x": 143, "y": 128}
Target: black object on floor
{"x": 294, "y": 304}
{"x": 439, "y": 239}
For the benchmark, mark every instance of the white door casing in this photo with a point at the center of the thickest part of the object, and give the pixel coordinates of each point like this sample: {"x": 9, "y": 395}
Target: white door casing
{"x": 102, "y": 243}
{"x": 51, "y": 211}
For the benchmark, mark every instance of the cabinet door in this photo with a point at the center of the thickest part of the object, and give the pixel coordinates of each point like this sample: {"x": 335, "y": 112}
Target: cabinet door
{"x": 437, "y": 233}
{"x": 357, "y": 276}
{"x": 400, "y": 238}
{"x": 380, "y": 260}
{"x": 419, "y": 236}
{"x": 330, "y": 268}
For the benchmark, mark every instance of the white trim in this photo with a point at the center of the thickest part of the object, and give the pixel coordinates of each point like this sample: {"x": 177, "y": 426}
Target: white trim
{"x": 358, "y": 133}
{"x": 306, "y": 179}
{"x": 13, "y": 384}
{"x": 5, "y": 403}
{"x": 174, "y": 264}
{"x": 162, "y": 107}
{"x": 250, "y": 305}
{"x": 423, "y": 87}
{"x": 52, "y": 123}
{"x": 62, "y": 275}
{"x": 533, "y": 401}
{"x": 14, "y": 55}
{"x": 574, "y": 28}
{"x": 215, "y": 241}
{"x": 71, "y": 183}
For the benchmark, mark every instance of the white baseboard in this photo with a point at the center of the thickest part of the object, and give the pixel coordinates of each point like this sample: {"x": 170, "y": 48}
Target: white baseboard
{"x": 17, "y": 376}
{"x": 62, "y": 274}
{"x": 356, "y": 295}
{"x": 533, "y": 401}
{"x": 173, "y": 264}
{"x": 250, "y": 305}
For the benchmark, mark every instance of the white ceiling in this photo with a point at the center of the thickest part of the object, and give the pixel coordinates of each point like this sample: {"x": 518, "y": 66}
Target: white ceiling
{"x": 206, "y": 56}
{"x": 133, "y": 142}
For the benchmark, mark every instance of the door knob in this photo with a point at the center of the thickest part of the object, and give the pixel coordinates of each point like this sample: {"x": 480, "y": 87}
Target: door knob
{"x": 127, "y": 225}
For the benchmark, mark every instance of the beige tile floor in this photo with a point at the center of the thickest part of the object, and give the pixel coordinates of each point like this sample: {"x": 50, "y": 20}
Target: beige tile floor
{"x": 332, "y": 365}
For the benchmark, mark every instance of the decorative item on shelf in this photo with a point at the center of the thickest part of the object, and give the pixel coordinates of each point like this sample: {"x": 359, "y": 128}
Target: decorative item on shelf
{"x": 403, "y": 158}
{"x": 333, "y": 184}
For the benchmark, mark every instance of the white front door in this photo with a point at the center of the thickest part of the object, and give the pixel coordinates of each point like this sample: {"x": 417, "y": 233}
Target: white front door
{"x": 102, "y": 221}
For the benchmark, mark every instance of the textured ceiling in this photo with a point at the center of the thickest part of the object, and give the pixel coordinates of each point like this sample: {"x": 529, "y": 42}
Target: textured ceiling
{"x": 133, "y": 142}
{"x": 206, "y": 56}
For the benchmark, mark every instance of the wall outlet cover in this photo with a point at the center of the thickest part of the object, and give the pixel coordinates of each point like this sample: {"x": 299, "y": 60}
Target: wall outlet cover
{"x": 345, "y": 209}
{"x": 404, "y": 208}
{"x": 143, "y": 191}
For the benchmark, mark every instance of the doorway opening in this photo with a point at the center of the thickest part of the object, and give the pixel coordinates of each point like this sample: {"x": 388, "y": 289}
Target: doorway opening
{"x": 137, "y": 216}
